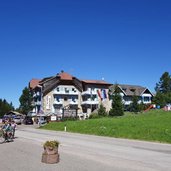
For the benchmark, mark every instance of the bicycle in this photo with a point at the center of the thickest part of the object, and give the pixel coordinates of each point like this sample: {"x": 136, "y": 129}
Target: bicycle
{"x": 5, "y": 138}
{"x": 2, "y": 138}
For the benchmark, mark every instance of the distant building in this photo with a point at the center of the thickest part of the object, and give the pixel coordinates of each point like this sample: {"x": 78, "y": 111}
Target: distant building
{"x": 128, "y": 91}
{"x": 13, "y": 113}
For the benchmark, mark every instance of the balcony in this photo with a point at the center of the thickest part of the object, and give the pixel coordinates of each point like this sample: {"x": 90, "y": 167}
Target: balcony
{"x": 58, "y": 102}
{"x": 65, "y": 92}
{"x": 73, "y": 102}
{"x": 89, "y": 92}
{"x": 90, "y": 102}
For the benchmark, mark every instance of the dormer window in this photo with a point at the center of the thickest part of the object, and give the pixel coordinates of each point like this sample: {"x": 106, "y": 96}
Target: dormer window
{"x": 132, "y": 89}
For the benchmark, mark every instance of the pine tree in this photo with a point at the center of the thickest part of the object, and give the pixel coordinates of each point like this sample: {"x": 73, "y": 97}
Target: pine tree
{"x": 26, "y": 101}
{"x": 117, "y": 106}
{"x": 134, "y": 106}
{"x": 163, "y": 90}
{"x": 5, "y": 107}
{"x": 160, "y": 99}
{"x": 102, "y": 111}
{"x": 164, "y": 85}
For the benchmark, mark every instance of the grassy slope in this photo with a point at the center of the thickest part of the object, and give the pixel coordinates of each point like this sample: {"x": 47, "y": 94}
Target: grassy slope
{"x": 154, "y": 125}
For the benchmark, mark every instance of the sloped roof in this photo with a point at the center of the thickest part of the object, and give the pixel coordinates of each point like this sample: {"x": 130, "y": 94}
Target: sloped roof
{"x": 131, "y": 90}
{"x": 33, "y": 83}
{"x": 49, "y": 83}
{"x": 95, "y": 82}
{"x": 45, "y": 79}
{"x": 13, "y": 112}
{"x": 65, "y": 76}
{"x": 58, "y": 79}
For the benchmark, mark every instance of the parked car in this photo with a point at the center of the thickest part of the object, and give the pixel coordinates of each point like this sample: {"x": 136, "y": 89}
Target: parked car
{"x": 41, "y": 120}
{"x": 28, "y": 121}
{"x": 31, "y": 114}
{"x": 17, "y": 120}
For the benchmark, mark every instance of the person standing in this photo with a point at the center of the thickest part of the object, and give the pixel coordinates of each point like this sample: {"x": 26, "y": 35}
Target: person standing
{"x": 13, "y": 126}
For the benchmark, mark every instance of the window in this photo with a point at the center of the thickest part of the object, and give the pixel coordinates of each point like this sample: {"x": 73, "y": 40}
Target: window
{"x": 132, "y": 89}
{"x": 73, "y": 99}
{"x": 57, "y": 99}
{"x": 66, "y": 90}
{"x": 58, "y": 89}
{"x": 146, "y": 99}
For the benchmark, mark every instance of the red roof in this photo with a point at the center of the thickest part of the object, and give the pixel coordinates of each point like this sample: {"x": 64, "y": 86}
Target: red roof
{"x": 65, "y": 76}
{"x": 33, "y": 83}
{"x": 95, "y": 82}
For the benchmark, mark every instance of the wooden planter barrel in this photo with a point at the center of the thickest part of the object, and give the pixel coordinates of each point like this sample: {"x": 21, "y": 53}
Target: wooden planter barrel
{"x": 50, "y": 155}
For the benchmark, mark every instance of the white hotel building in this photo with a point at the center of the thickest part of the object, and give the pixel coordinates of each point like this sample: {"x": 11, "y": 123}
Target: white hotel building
{"x": 66, "y": 94}
{"x": 64, "y": 91}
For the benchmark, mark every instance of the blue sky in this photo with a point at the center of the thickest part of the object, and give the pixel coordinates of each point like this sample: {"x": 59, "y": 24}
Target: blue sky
{"x": 123, "y": 41}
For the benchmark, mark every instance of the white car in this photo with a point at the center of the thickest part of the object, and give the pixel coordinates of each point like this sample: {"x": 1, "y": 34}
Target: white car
{"x": 18, "y": 120}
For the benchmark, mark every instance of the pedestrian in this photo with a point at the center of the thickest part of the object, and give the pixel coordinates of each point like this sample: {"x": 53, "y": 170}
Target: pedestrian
{"x": 39, "y": 121}
{"x": 33, "y": 118}
{"x": 13, "y": 126}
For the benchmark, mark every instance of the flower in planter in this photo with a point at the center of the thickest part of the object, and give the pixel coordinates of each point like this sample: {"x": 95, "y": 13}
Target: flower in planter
{"x": 50, "y": 154}
{"x": 51, "y": 145}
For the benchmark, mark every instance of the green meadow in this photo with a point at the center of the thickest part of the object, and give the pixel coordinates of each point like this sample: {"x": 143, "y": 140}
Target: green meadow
{"x": 154, "y": 125}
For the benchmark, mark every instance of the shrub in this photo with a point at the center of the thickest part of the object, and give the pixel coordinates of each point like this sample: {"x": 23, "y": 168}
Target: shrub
{"x": 102, "y": 111}
{"x": 94, "y": 116}
{"x": 52, "y": 144}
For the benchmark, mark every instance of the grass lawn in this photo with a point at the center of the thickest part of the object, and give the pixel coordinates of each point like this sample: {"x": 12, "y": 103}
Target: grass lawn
{"x": 154, "y": 125}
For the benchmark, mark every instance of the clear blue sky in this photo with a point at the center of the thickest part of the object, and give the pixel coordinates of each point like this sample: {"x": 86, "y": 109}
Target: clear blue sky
{"x": 124, "y": 41}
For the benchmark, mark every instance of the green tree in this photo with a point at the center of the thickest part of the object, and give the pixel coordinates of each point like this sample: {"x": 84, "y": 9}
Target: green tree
{"x": 163, "y": 90}
{"x": 102, "y": 110}
{"x": 134, "y": 106}
{"x": 160, "y": 99}
{"x": 164, "y": 85}
{"x": 5, "y": 107}
{"x": 117, "y": 105}
{"x": 26, "y": 101}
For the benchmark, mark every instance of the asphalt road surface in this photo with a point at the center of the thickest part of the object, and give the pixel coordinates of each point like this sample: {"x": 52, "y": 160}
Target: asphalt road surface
{"x": 82, "y": 153}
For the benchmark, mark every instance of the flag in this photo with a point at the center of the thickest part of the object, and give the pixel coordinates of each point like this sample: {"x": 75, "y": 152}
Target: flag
{"x": 104, "y": 94}
{"x": 99, "y": 94}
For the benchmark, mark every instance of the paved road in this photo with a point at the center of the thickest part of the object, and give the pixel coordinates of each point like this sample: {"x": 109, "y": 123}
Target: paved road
{"x": 82, "y": 153}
